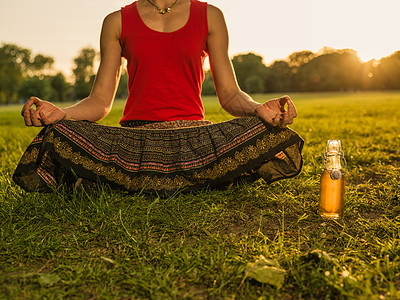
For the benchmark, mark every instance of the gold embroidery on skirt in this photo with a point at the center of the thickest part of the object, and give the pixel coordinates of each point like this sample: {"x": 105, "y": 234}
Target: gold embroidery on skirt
{"x": 29, "y": 157}
{"x": 242, "y": 157}
{"x": 159, "y": 182}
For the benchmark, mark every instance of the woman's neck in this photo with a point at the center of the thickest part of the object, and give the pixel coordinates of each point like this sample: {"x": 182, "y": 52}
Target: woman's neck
{"x": 176, "y": 17}
{"x": 162, "y": 4}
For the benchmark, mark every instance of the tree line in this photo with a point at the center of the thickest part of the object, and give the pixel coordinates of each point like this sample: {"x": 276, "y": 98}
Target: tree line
{"x": 305, "y": 71}
{"x": 23, "y": 74}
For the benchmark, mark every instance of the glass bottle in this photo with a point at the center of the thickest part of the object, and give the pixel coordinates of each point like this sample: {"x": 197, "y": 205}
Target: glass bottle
{"x": 332, "y": 185}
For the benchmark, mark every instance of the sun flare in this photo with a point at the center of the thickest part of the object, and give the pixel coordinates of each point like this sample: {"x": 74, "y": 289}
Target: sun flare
{"x": 368, "y": 54}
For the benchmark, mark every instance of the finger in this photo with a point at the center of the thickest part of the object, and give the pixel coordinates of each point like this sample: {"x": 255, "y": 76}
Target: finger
{"x": 27, "y": 117}
{"x": 35, "y": 118}
{"x": 276, "y": 120}
{"x": 27, "y": 106}
{"x": 282, "y": 103}
{"x": 32, "y": 101}
{"x": 292, "y": 109}
{"x": 286, "y": 120}
{"x": 36, "y": 100}
{"x": 43, "y": 119}
{"x": 284, "y": 99}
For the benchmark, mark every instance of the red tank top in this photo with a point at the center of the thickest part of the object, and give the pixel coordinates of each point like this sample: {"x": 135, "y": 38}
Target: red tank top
{"x": 165, "y": 69}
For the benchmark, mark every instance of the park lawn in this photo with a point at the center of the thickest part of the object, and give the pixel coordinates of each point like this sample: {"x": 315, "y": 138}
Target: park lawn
{"x": 110, "y": 244}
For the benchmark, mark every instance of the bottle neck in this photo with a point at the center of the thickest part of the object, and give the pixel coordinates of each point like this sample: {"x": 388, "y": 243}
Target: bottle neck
{"x": 333, "y": 163}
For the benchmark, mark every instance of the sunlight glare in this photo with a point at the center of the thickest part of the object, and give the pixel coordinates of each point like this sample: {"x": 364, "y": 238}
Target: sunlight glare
{"x": 370, "y": 54}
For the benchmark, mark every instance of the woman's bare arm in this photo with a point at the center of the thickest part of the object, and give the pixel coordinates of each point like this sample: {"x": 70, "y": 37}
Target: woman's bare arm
{"x": 226, "y": 85}
{"x": 98, "y": 104}
{"x": 231, "y": 98}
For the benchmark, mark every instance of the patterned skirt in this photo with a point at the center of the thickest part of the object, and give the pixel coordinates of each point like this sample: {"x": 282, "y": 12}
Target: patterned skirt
{"x": 161, "y": 157}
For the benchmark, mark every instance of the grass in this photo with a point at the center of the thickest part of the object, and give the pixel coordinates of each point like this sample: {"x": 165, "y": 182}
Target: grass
{"x": 107, "y": 244}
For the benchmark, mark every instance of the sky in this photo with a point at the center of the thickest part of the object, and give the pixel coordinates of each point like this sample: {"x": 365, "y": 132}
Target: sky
{"x": 272, "y": 29}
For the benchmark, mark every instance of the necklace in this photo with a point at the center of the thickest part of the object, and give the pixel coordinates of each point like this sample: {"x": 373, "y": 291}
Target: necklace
{"x": 163, "y": 11}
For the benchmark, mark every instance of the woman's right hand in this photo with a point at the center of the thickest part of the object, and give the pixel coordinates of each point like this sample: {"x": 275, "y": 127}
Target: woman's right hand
{"x": 274, "y": 113}
{"x": 44, "y": 113}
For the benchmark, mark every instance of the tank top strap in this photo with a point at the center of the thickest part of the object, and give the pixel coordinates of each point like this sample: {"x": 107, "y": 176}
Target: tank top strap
{"x": 130, "y": 19}
{"x": 199, "y": 15}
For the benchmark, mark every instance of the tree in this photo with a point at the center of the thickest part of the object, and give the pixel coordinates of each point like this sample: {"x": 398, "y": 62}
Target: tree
{"x": 13, "y": 62}
{"x": 59, "y": 87}
{"x": 15, "y": 65}
{"x": 254, "y": 84}
{"x": 35, "y": 86}
{"x": 333, "y": 71}
{"x": 40, "y": 63}
{"x": 250, "y": 65}
{"x": 84, "y": 72}
{"x": 388, "y": 72}
{"x": 297, "y": 59}
{"x": 369, "y": 75}
{"x": 280, "y": 76}
{"x": 208, "y": 87}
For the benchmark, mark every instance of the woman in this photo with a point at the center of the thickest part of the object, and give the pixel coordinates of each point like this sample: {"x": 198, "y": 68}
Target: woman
{"x": 164, "y": 145}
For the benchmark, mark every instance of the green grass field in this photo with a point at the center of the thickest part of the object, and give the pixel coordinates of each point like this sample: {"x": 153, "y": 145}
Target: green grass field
{"x": 111, "y": 245}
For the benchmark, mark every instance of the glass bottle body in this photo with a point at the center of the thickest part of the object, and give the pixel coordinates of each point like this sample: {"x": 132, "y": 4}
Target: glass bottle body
{"x": 331, "y": 200}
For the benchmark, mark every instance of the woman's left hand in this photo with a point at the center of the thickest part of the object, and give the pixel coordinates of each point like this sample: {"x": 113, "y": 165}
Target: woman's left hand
{"x": 274, "y": 113}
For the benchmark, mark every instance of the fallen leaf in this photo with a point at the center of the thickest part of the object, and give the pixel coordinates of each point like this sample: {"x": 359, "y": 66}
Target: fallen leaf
{"x": 266, "y": 271}
{"x": 48, "y": 279}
